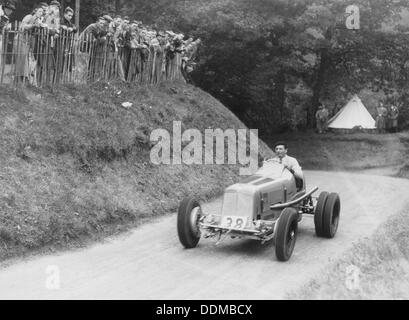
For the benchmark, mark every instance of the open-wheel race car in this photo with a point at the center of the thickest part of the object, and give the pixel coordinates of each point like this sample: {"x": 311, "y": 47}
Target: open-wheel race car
{"x": 265, "y": 206}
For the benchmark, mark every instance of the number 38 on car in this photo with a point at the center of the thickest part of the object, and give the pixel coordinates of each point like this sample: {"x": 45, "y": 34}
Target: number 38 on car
{"x": 265, "y": 206}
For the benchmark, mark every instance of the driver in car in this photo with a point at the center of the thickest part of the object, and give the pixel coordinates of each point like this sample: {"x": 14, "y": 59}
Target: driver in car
{"x": 290, "y": 163}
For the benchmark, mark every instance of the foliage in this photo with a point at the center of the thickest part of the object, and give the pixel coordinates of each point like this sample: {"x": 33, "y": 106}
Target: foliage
{"x": 257, "y": 51}
{"x": 273, "y": 61}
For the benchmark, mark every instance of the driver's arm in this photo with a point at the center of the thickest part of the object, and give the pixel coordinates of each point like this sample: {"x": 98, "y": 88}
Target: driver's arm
{"x": 295, "y": 168}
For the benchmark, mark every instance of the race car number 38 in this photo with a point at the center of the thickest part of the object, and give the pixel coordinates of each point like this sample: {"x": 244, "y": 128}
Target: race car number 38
{"x": 234, "y": 222}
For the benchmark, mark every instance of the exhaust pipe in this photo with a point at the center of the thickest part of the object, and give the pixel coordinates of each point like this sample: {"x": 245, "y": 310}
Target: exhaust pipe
{"x": 291, "y": 203}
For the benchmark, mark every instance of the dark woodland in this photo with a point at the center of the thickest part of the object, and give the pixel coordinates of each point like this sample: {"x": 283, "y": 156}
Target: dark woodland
{"x": 273, "y": 61}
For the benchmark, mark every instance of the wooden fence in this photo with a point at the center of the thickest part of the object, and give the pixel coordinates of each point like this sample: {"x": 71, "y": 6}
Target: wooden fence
{"x": 41, "y": 58}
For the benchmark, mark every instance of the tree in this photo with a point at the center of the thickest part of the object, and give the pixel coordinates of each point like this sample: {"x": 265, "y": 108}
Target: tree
{"x": 252, "y": 46}
{"x": 272, "y": 61}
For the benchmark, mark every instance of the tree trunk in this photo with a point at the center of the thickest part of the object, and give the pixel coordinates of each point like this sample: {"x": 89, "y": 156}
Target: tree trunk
{"x": 118, "y": 6}
{"x": 77, "y": 14}
{"x": 280, "y": 91}
{"x": 317, "y": 87}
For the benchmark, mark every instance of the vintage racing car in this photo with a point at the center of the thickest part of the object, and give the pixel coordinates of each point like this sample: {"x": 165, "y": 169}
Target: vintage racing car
{"x": 267, "y": 205}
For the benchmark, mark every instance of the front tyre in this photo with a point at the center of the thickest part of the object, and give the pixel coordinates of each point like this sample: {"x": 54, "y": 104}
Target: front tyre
{"x": 286, "y": 234}
{"x": 188, "y": 222}
{"x": 319, "y": 213}
{"x": 331, "y": 215}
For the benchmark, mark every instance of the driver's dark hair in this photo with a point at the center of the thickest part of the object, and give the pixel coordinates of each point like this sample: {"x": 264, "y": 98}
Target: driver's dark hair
{"x": 280, "y": 143}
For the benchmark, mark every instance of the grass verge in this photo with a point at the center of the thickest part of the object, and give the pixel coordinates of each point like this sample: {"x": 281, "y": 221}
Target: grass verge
{"x": 375, "y": 268}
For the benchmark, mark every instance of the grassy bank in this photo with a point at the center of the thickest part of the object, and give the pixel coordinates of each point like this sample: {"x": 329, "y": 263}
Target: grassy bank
{"x": 381, "y": 265}
{"x": 76, "y": 165}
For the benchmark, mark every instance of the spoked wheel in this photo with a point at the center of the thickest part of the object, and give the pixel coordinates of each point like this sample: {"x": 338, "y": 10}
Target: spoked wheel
{"x": 286, "y": 234}
{"x": 188, "y": 222}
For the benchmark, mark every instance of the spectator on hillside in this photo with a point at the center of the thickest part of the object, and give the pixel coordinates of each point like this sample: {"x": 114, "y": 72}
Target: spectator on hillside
{"x": 33, "y": 20}
{"x": 44, "y": 5}
{"x": 189, "y": 56}
{"x": 25, "y": 60}
{"x": 52, "y": 18}
{"x": 66, "y": 23}
{"x": 112, "y": 60}
{"x": 98, "y": 30}
{"x": 115, "y": 27}
{"x": 6, "y": 10}
{"x": 133, "y": 51}
{"x": 68, "y": 29}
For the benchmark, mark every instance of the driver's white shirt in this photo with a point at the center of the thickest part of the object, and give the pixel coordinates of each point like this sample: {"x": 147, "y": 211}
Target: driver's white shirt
{"x": 291, "y": 163}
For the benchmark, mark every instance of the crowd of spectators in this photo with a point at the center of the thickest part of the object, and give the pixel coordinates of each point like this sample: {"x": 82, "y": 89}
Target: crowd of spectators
{"x": 49, "y": 48}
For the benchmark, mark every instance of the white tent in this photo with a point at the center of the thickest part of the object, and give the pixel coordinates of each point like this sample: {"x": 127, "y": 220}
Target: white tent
{"x": 353, "y": 114}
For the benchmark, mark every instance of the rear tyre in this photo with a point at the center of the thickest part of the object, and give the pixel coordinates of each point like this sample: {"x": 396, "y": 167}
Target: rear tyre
{"x": 187, "y": 222}
{"x": 286, "y": 234}
{"x": 319, "y": 213}
{"x": 331, "y": 215}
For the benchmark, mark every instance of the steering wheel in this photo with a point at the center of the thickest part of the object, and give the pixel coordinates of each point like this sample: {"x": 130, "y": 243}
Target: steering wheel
{"x": 276, "y": 161}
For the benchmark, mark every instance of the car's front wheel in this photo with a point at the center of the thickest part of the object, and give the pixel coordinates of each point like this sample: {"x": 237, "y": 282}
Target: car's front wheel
{"x": 327, "y": 214}
{"x": 286, "y": 234}
{"x": 188, "y": 222}
{"x": 319, "y": 213}
{"x": 331, "y": 215}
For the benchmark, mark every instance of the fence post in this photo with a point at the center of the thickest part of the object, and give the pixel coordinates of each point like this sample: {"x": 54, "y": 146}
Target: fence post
{"x": 77, "y": 14}
{"x": 3, "y": 57}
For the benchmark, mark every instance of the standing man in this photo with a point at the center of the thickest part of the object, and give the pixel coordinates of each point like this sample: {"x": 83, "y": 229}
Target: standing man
{"x": 393, "y": 117}
{"x": 381, "y": 118}
{"x": 325, "y": 115}
{"x": 322, "y": 119}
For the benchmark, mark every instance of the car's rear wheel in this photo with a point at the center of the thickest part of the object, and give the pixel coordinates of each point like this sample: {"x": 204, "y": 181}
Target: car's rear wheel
{"x": 188, "y": 222}
{"x": 286, "y": 234}
{"x": 319, "y": 213}
{"x": 331, "y": 215}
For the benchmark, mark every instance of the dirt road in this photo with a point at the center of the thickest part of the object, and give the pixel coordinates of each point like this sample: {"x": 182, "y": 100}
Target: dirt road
{"x": 149, "y": 263}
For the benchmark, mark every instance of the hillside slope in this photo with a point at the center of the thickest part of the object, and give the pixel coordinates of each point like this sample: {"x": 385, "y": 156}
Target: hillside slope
{"x": 76, "y": 165}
